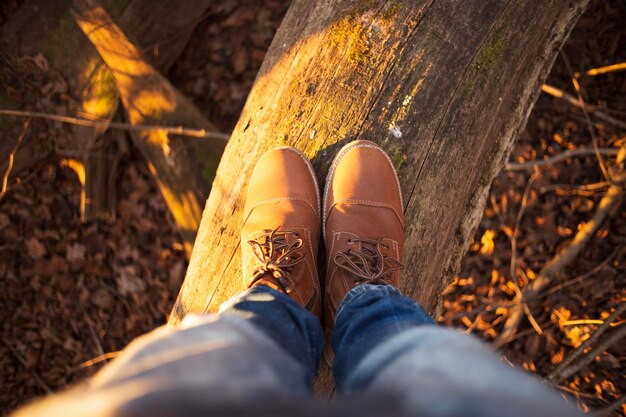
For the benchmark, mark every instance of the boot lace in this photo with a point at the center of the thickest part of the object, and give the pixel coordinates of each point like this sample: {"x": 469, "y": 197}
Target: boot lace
{"x": 368, "y": 264}
{"x": 275, "y": 256}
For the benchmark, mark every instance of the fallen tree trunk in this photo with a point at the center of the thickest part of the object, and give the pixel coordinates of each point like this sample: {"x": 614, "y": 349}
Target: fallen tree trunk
{"x": 159, "y": 29}
{"x": 183, "y": 167}
{"x": 445, "y": 87}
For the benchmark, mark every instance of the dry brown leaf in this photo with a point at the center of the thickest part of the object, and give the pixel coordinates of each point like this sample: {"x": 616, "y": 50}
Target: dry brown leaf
{"x": 102, "y": 298}
{"x": 76, "y": 252}
{"x": 128, "y": 282}
{"x": 35, "y": 248}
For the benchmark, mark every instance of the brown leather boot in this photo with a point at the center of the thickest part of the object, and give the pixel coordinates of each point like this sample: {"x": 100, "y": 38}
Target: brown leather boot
{"x": 281, "y": 228}
{"x": 363, "y": 224}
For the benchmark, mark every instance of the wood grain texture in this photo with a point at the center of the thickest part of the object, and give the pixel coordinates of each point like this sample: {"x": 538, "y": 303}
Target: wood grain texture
{"x": 444, "y": 86}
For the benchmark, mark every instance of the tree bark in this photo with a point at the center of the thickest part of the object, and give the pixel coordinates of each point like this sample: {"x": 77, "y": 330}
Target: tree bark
{"x": 444, "y": 86}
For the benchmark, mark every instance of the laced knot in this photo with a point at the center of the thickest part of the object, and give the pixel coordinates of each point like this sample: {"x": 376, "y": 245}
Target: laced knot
{"x": 368, "y": 264}
{"x": 274, "y": 255}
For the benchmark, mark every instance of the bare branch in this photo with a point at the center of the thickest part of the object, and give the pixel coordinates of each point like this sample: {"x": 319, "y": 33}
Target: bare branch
{"x": 558, "y": 262}
{"x": 610, "y": 409}
{"x": 581, "y": 278}
{"x": 573, "y": 153}
{"x": 589, "y": 357}
{"x": 100, "y": 358}
{"x": 174, "y": 130}
{"x": 558, "y": 93}
{"x": 583, "y": 106}
{"x": 602, "y": 70}
{"x": 563, "y": 370}
{"x": 5, "y": 180}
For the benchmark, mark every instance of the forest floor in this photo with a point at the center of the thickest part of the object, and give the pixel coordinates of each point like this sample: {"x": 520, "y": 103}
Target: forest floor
{"x": 71, "y": 292}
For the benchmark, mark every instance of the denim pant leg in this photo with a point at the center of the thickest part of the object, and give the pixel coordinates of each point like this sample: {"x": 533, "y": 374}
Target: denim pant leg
{"x": 368, "y": 316}
{"x": 430, "y": 370}
{"x": 287, "y": 323}
{"x": 263, "y": 348}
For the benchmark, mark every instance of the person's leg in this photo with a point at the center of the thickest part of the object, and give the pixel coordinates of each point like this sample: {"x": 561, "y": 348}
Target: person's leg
{"x": 386, "y": 343}
{"x": 294, "y": 329}
{"x": 368, "y": 316}
{"x": 221, "y": 351}
{"x": 265, "y": 343}
{"x": 268, "y": 338}
{"x": 281, "y": 297}
{"x": 363, "y": 225}
{"x": 261, "y": 347}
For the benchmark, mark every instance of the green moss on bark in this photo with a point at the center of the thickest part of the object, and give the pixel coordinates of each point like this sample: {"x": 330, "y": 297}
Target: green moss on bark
{"x": 489, "y": 56}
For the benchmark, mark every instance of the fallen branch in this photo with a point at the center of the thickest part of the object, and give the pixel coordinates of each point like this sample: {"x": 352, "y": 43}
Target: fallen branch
{"x": 611, "y": 408}
{"x": 513, "y": 267}
{"x": 602, "y": 70}
{"x": 564, "y": 370}
{"x": 565, "y": 189}
{"x": 558, "y": 262}
{"x": 589, "y": 357}
{"x": 573, "y": 153}
{"x": 581, "y": 278}
{"x": 183, "y": 170}
{"x": 558, "y": 93}
{"x": 20, "y": 139}
{"x": 100, "y": 358}
{"x": 583, "y": 106}
{"x": 173, "y": 130}
{"x": 518, "y": 221}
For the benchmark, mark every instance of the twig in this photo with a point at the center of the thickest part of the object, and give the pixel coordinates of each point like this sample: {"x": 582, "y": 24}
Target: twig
{"x": 602, "y": 70}
{"x": 100, "y": 358}
{"x": 558, "y": 93}
{"x": 582, "y": 321}
{"x": 174, "y": 130}
{"x": 576, "y": 394}
{"x": 518, "y": 221}
{"x": 561, "y": 371}
{"x": 526, "y": 332}
{"x": 587, "y": 274}
{"x": 609, "y": 409}
{"x": 558, "y": 262}
{"x": 94, "y": 336}
{"x": 523, "y": 166}
{"x": 96, "y": 341}
{"x": 5, "y": 180}
{"x": 21, "y": 360}
{"x": 513, "y": 271}
{"x": 589, "y": 357}
{"x": 563, "y": 188}
{"x": 583, "y": 106}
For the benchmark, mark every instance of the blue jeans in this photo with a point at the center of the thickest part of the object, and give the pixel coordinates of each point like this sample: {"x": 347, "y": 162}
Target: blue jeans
{"x": 259, "y": 356}
{"x": 369, "y": 315}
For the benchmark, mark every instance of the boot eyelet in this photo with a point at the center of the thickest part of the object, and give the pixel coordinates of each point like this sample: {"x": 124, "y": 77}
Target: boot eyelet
{"x": 350, "y": 241}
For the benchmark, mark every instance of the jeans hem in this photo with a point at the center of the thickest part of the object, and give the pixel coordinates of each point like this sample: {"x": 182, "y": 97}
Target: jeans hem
{"x": 362, "y": 289}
